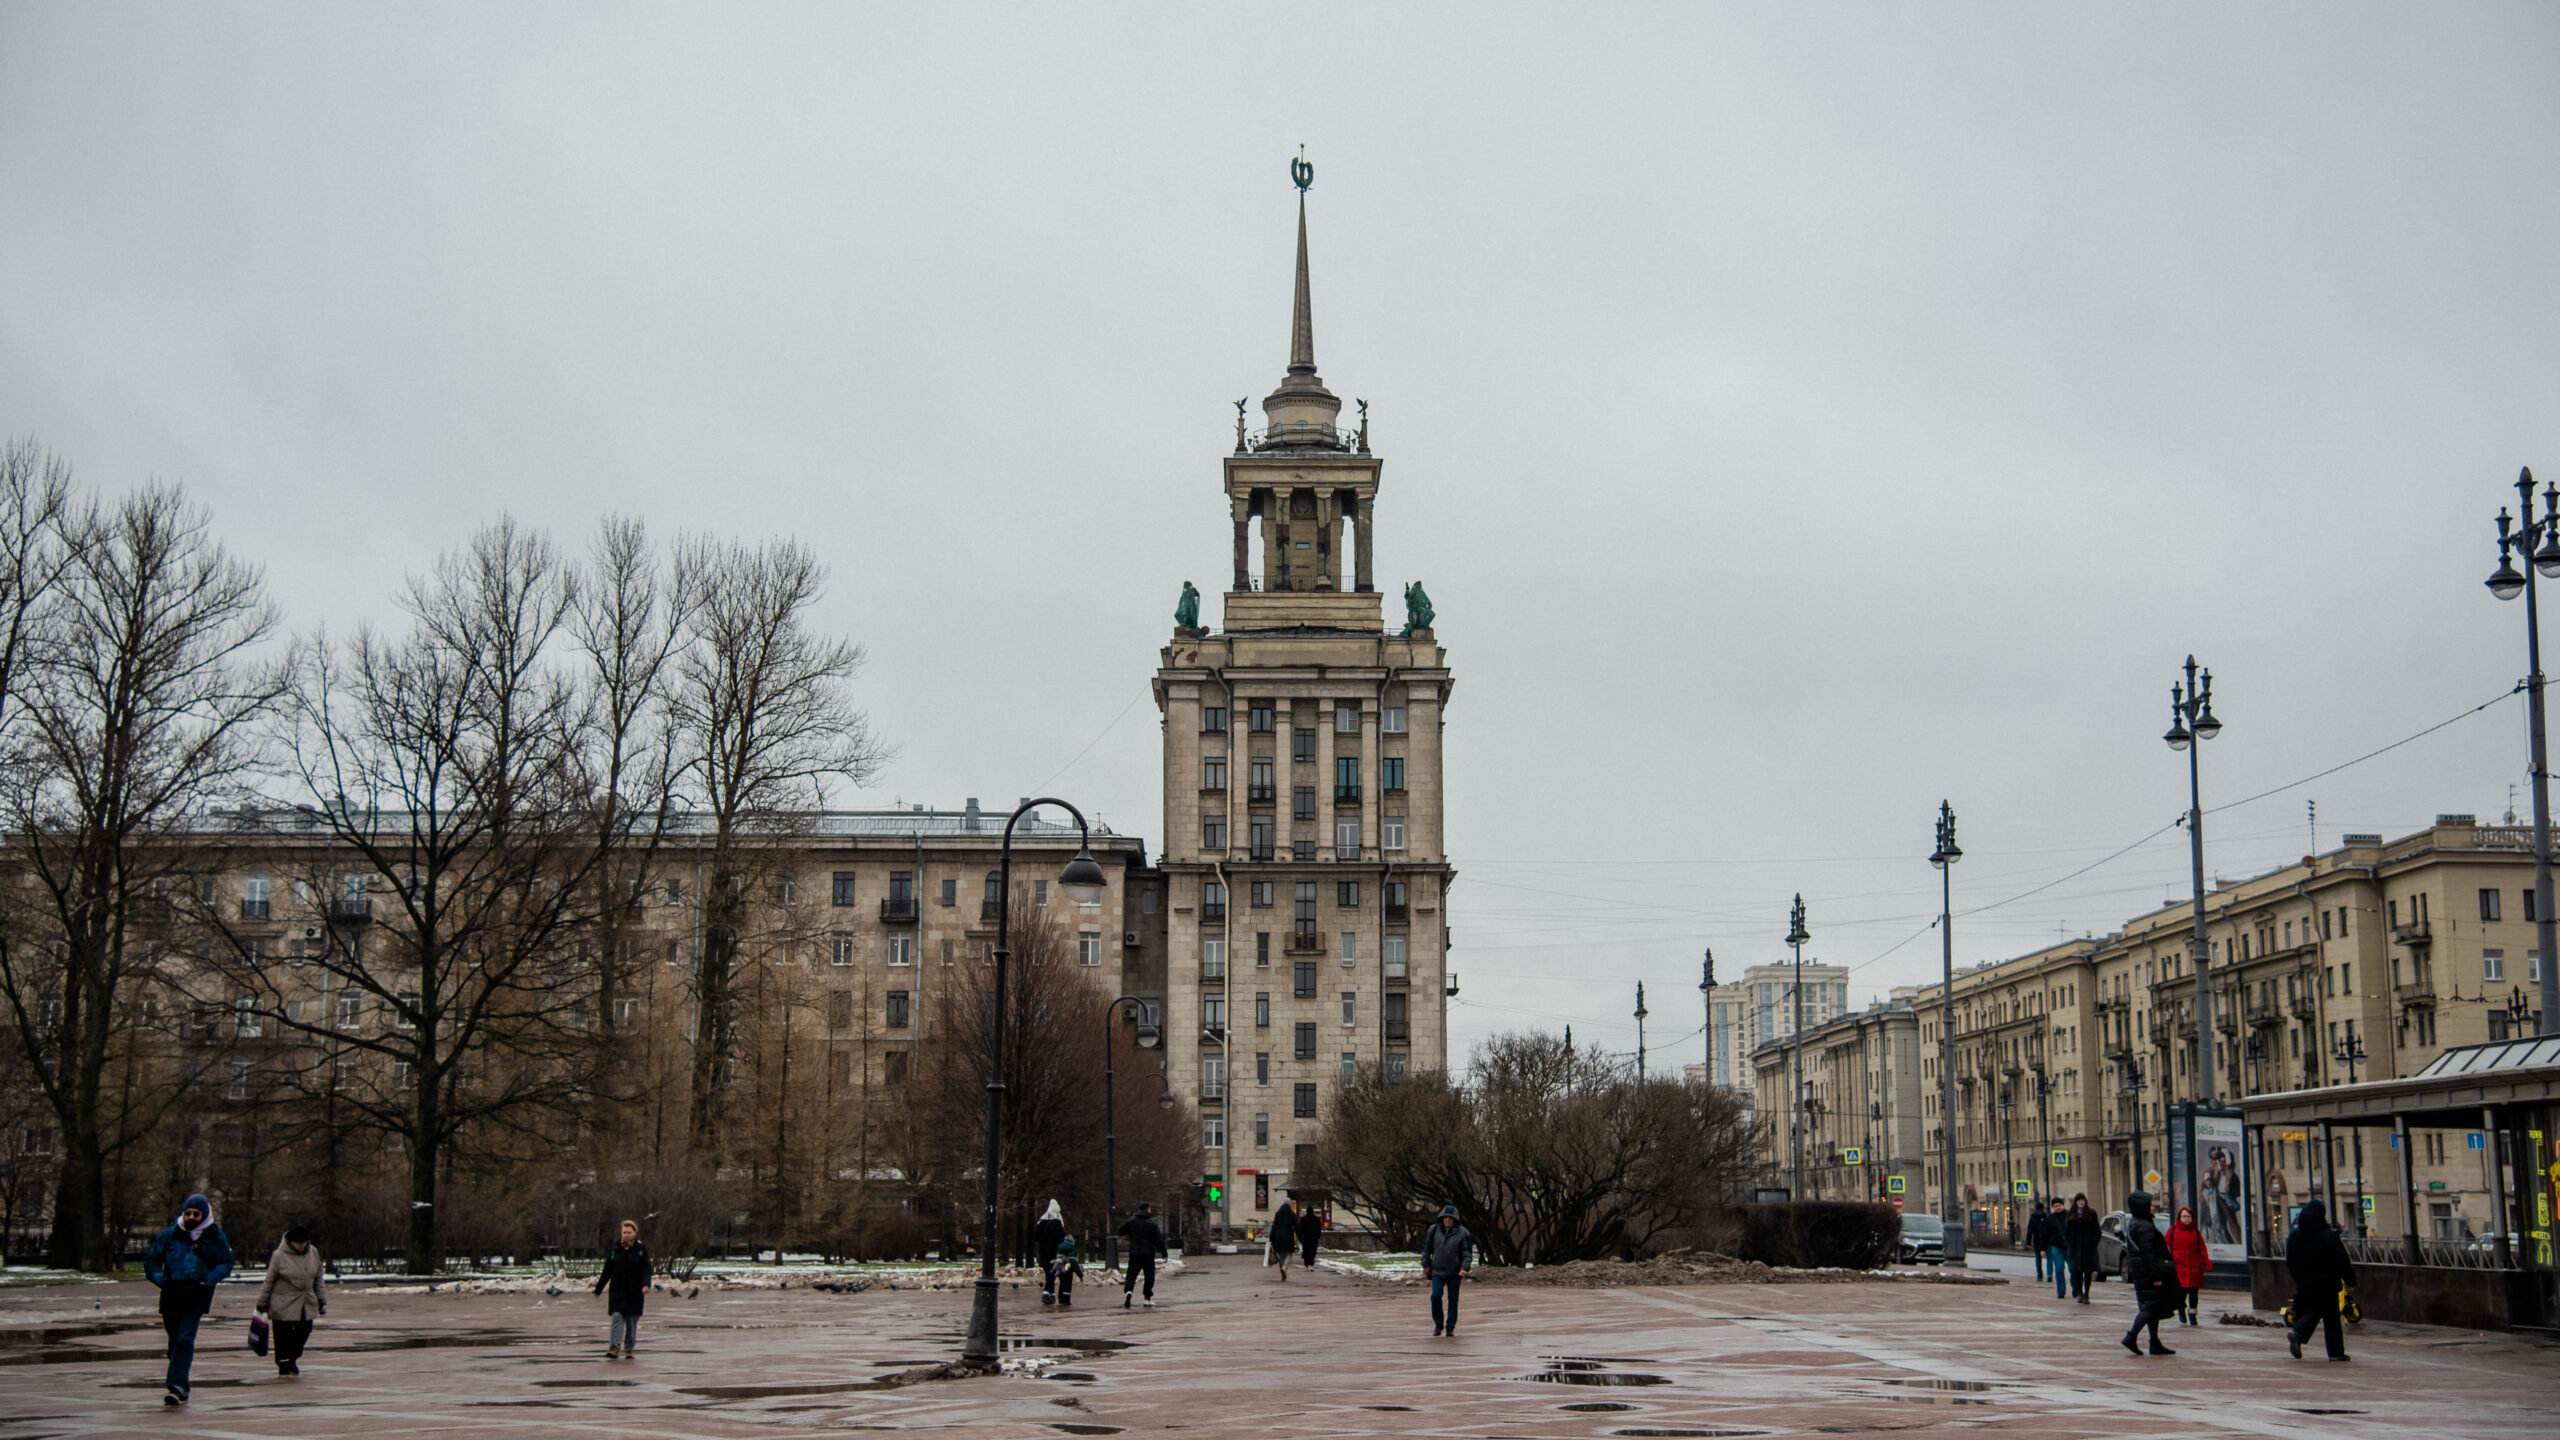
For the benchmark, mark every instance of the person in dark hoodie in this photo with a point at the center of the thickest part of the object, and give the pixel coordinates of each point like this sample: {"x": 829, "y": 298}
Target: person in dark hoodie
{"x": 2039, "y": 1236}
{"x": 2318, "y": 1260}
{"x": 626, "y": 1275}
{"x": 1310, "y": 1229}
{"x": 186, "y": 1261}
{"x": 2080, "y": 1240}
{"x": 1283, "y": 1237}
{"x": 1046, "y": 1233}
{"x": 1146, "y": 1245}
{"x": 2152, "y": 1271}
{"x": 1448, "y": 1257}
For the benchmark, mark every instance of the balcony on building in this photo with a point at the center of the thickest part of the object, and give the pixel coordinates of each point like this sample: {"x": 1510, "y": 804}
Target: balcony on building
{"x": 2265, "y": 1014}
{"x": 1346, "y": 794}
{"x": 1397, "y": 1032}
{"x": 2414, "y": 932}
{"x": 894, "y": 911}
{"x": 350, "y": 912}
{"x": 987, "y": 909}
{"x": 1394, "y": 975}
{"x": 1212, "y": 971}
{"x": 1213, "y": 1092}
{"x": 1397, "y": 912}
{"x": 2416, "y": 995}
{"x": 1259, "y": 795}
{"x": 1306, "y": 942}
{"x": 1213, "y": 914}
{"x": 253, "y": 909}
{"x": 2304, "y": 1006}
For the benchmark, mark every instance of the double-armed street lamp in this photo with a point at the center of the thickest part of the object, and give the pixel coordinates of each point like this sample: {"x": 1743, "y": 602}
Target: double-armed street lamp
{"x": 1944, "y": 858}
{"x": 2539, "y": 539}
{"x": 1084, "y": 883}
{"x": 2350, "y": 1053}
{"x": 2134, "y": 1085}
{"x": 2191, "y": 720}
{"x": 1796, "y": 936}
{"x": 1148, "y": 1037}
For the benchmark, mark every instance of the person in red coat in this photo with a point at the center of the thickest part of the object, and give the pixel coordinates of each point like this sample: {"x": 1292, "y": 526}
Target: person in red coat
{"x": 2186, "y": 1250}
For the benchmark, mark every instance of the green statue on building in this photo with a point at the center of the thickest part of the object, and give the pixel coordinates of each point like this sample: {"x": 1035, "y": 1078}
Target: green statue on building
{"x": 1417, "y": 608}
{"x": 1186, "y": 613}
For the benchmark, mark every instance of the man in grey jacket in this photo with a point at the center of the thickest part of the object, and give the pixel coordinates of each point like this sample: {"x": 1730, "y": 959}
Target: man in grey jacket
{"x": 1448, "y": 1256}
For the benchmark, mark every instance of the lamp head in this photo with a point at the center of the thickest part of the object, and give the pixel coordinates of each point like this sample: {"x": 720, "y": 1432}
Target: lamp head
{"x": 1083, "y": 879}
{"x": 1149, "y": 1036}
{"x": 1165, "y": 1099}
{"x": 2206, "y": 725}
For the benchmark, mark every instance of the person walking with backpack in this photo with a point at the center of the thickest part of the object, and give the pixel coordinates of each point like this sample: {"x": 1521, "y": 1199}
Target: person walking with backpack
{"x": 291, "y": 1298}
{"x": 2318, "y": 1261}
{"x": 1283, "y": 1238}
{"x": 1064, "y": 1272}
{"x": 1448, "y": 1256}
{"x": 624, "y": 1283}
{"x": 1146, "y": 1243}
{"x": 186, "y": 1261}
{"x": 2186, "y": 1248}
{"x": 2152, "y": 1272}
{"x": 2080, "y": 1239}
{"x": 1046, "y": 1235}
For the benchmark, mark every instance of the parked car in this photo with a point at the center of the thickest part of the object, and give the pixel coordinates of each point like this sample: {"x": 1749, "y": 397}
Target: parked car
{"x": 2111, "y": 1244}
{"x": 1924, "y": 1240}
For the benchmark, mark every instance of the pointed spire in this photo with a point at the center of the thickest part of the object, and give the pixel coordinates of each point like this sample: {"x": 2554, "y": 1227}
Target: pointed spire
{"x": 1302, "y": 320}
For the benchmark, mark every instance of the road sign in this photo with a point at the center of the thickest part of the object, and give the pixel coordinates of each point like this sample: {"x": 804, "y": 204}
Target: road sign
{"x": 2061, "y": 1159}
{"x": 1893, "y": 1185}
{"x": 2475, "y": 1141}
{"x": 1897, "y": 1202}
{"x": 2022, "y": 1189}
{"x": 1853, "y": 1155}
{"x": 2151, "y": 1180}
{"x": 2368, "y": 1207}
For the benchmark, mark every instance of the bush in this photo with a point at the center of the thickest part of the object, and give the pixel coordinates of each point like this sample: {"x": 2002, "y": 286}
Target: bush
{"x": 1809, "y": 1234}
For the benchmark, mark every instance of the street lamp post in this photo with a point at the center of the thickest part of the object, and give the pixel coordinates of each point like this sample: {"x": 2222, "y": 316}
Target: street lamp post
{"x": 1148, "y": 1037}
{"x": 2351, "y": 1054}
{"x": 1944, "y": 858}
{"x": 1796, "y": 936}
{"x": 2191, "y": 720}
{"x": 1083, "y": 880}
{"x": 1707, "y": 1015}
{"x": 2044, "y": 1130}
{"x": 2134, "y": 1085}
{"x": 2008, "y": 1168}
{"x": 1640, "y": 1014}
{"x": 2540, "y": 539}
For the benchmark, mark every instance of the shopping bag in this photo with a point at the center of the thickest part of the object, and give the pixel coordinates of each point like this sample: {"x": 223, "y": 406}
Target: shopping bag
{"x": 258, "y": 1334}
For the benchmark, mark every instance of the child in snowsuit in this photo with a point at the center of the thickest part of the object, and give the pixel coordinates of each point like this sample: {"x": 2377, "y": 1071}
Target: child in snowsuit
{"x": 1064, "y": 1271}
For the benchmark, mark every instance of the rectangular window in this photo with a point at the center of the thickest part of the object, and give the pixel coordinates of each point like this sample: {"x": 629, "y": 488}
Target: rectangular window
{"x": 1262, "y": 1067}
{"x": 1395, "y": 1065}
{"x": 897, "y": 1009}
{"x": 1302, "y": 746}
{"x": 405, "y": 1013}
{"x": 1262, "y": 950}
{"x": 2493, "y": 963}
{"x": 2530, "y": 899}
{"x": 1346, "y": 719}
{"x": 1213, "y": 833}
{"x": 839, "y": 949}
{"x": 1213, "y": 1131}
{"x": 1350, "y": 944}
{"x": 1391, "y": 772}
{"x": 350, "y": 1008}
{"x": 1259, "y": 717}
{"x": 1213, "y": 1013}
{"x": 1213, "y": 902}
{"x": 893, "y": 1068}
{"x": 902, "y": 892}
{"x": 1213, "y": 1077}
{"x": 1259, "y": 777}
{"x": 239, "y": 1078}
{"x": 1260, "y": 829}
{"x": 1346, "y": 777}
{"x": 1262, "y": 1009}
{"x": 1089, "y": 947}
{"x": 839, "y": 1009}
{"x": 1346, "y": 894}
{"x": 1213, "y": 718}
{"x": 902, "y": 949}
{"x": 2488, "y": 904}
{"x": 1305, "y": 1049}
{"x": 1391, "y": 720}
{"x": 1391, "y": 956}
{"x": 253, "y": 898}
{"x": 1039, "y": 892}
{"x": 1305, "y": 1106}
{"x": 1391, "y": 831}
{"x": 1393, "y": 1019}
{"x": 946, "y": 952}
{"x": 843, "y": 891}
{"x": 1146, "y": 902}
{"x": 1346, "y": 838}
{"x": 1213, "y": 957}
{"x": 1350, "y": 1008}
{"x": 248, "y": 1023}
{"x": 1213, "y": 772}
{"x": 1350, "y": 1065}
{"x": 1262, "y": 894}
{"x": 1262, "y": 1131}
{"x": 1305, "y": 988}
{"x": 1302, "y": 802}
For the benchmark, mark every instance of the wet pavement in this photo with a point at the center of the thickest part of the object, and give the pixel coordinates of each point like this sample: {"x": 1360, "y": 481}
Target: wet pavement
{"x": 1232, "y": 1350}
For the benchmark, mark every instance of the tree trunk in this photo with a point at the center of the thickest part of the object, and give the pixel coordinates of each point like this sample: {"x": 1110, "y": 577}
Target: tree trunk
{"x": 79, "y": 1209}
{"x": 422, "y": 1250}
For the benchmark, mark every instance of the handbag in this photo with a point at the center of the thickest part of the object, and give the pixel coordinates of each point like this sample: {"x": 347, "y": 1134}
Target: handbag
{"x": 258, "y": 1334}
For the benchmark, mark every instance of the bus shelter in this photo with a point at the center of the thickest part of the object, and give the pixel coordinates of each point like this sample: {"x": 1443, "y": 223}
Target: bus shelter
{"x": 2444, "y": 1182}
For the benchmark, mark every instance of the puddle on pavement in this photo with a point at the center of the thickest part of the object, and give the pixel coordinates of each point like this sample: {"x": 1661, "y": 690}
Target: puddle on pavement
{"x": 1043, "y": 1342}
{"x": 776, "y": 1392}
{"x": 48, "y": 1336}
{"x": 1081, "y": 1377}
{"x": 1089, "y": 1429}
{"x": 1591, "y": 1362}
{"x": 1687, "y": 1432}
{"x": 1561, "y": 1376}
{"x": 1387, "y": 1407}
{"x": 1964, "y": 1385}
{"x": 1937, "y": 1400}
{"x": 1597, "y": 1405}
{"x": 581, "y": 1384}
{"x": 2300, "y": 1411}
{"x": 192, "y": 1386}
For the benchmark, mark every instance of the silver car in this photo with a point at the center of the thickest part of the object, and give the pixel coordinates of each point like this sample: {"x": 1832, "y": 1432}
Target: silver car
{"x": 1924, "y": 1240}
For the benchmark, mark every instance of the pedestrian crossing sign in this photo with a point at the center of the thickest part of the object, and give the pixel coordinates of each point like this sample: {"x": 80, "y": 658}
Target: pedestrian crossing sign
{"x": 2023, "y": 1189}
{"x": 2061, "y": 1159}
{"x": 1852, "y": 1155}
{"x": 2368, "y": 1207}
{"x": 1893, "y": 1185}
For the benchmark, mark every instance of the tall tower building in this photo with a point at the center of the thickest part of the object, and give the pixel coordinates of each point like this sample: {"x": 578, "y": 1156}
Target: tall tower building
{"x": 1306, "y": 877}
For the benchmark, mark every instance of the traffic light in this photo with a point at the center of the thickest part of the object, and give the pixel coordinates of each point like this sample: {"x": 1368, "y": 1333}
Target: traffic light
{"x": 1214, "y": 1190}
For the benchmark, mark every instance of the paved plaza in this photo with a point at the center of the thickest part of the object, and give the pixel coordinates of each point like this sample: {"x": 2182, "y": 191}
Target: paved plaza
{"x": 1233, "y": 1352}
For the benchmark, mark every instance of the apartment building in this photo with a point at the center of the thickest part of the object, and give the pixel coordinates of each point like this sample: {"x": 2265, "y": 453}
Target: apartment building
{"x": 1861, "y": 1114}
{"x": 1759, "y": 1008}
{"x": 1304, "y": 861}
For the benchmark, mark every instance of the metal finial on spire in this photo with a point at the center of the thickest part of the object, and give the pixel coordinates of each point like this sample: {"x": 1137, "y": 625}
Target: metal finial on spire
{"x": 1301, "y": 171}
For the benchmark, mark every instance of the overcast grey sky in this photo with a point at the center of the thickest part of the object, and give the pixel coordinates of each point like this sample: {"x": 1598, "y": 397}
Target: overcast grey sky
{"x": 1798, "y": 414}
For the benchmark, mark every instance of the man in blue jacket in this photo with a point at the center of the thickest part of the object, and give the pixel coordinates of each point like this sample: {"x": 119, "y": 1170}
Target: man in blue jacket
{"x": 1448, "y": 1257}
{"x": 186, "y": 1261}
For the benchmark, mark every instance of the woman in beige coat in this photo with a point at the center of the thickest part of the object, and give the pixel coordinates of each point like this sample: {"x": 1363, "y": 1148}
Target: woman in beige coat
{"x": 291, "y": 1297}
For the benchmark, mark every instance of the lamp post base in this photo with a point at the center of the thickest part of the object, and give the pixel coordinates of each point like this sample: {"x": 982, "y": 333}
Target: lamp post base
{"x": 980, "y": 1347}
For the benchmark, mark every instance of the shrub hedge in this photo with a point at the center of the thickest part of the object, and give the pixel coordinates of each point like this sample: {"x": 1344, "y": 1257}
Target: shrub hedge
{"x": 1810, "y": 1234}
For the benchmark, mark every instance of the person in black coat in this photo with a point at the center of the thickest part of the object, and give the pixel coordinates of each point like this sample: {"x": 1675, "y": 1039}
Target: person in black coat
{"x": 1284, "y": 1236}
{"x": 1310, "y": 1228}
{"x": 1045, "y": 1236}
{"x": 2152, "y": 1271}
{"x": 2039, "y": 1236}
{"x": 624, "y": 1283}
{"x": 2080, "y": 1240}
{"x": 2318, "y": 1260}
{"x": 1146, "y": 1244}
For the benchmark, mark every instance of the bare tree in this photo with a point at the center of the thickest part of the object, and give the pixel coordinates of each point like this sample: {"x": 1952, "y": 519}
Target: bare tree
{"x": 1553, "y": 1154}
{"x": 137, "y": 704}
{"x": 764, "y": 718}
